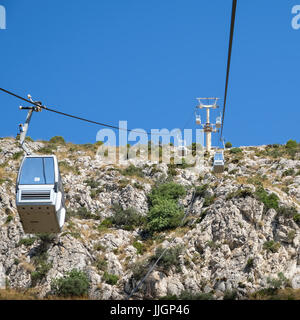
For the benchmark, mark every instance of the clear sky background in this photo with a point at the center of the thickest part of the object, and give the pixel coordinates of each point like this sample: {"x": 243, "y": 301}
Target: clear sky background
{"x": 146, "y": 61}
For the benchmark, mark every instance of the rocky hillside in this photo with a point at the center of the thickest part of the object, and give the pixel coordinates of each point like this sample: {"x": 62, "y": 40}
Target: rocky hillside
{"x": 240, "y": 240}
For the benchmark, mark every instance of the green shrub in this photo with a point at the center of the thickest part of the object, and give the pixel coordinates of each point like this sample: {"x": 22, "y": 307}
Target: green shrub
{"x": 17, "y": 155}
{"x": 184, "y": 164}
{"x": 168, "y": 191}
{"x": 172, "y": 172}
{"x": 277, "y": 283}
{"x": 240, "y": 193}
{"x": 92, "y": 183}
{"x": 74, "y": 284}
{"x": 169, "y": 259}
{"x": 256, "y": 180}
{"x": 250, "y": 263}
{"x": 82, "y": 213}
{"x": 132, "y": 171}
{"x": 110, "y": 278}
{"x": 291, "y": 144}
{"x": 270, "y": 201}
{"x": 29, "y": 139}
{"x": 140, "y": 269}
{"x": 101, "y": 264}
{"x": 208, "y": 201}
{"x": 57, "y": 140}
{"x": 288, "y": 212}
{"x": 95, "y": 193}
{"x": 164, "y": 214}
{"x": 9, "y": 218}
{"x": 289, "y": 172}
{"x": 106, "y": 223}
{"x": 98, "y": 143}
{"x": 46, "y": 150}
{"x": 64, "y": 167}
{"x": 271, "y": 246}
{"x": 140, "y": 247}
{"x": 126, "y": 219}
{"x": 200, "y": 190}
{"x": 26, "y": 242}
{"x": 228, "y": 145}
{"x": 236, "y": 150}
{"x": 41, "y": 268}
{"x": 296, "y": 218}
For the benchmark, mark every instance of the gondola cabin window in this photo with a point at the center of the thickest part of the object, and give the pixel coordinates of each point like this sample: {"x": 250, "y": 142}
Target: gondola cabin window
{"x": 36, "y": 171}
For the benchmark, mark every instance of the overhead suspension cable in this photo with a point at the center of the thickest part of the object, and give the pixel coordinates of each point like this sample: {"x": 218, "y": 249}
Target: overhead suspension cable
{"x": 233, "y": 14}
{"x": 39, "y": 104}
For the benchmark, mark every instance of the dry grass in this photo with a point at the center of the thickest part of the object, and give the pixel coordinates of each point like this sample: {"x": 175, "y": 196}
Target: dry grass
{"x": 31, "y": 294}
{"x": 13, "y": 294}
{"x": 27, "y": 266}
{"x": 282, "y": 294}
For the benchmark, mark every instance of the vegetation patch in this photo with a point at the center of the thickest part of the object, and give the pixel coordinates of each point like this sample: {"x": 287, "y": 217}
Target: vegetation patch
{"x": 288, "y": 172}
{"x": 164, "y": 212}
{"x": 132, "y": 171}
{"x": 17, "y": 155}
{"x": 111, "y": 279}
{"x": 82, "y": 213}
{"x": 287, "y": 212}
{"x": 169, "y": 259}
{"x": 271, "y": 246}
{"x": 126, "y": 219}
{"x": 57, "y": 140}
{"x": 26, "y": 242}
{"x": 240, "y": 193}
{"x": 236, "y": 150}
{"x": 140, "y": 247}
{"x": 101, "y": 264}
{"x": 92, "y": 183}
{"x": 200, "y": 190}
{"x": 41, "y": 268}
{"x": 74, "y": 284}
{"x": 64, "y": 167}
{"x": 270, "y": 201}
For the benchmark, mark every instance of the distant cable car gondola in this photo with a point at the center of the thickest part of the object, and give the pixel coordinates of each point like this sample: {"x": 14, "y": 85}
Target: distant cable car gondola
{"x": 218, "y": 123}
{"x": 219, "y": 163}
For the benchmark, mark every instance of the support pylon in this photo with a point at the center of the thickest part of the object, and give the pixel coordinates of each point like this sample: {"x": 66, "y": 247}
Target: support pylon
{"x": 208, "y": 127}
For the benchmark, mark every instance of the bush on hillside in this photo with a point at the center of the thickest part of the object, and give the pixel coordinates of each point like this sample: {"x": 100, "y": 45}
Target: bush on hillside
{"x": 74, "y": 284}
{"x": 126, "y": 219}
{"x": 164, "y": 214}
{"x": 228, "y": 145}
{"x": 57, "y": 140}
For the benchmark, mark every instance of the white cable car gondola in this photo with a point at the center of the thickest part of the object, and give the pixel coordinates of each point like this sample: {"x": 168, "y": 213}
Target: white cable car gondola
{"x": 219, "y": 162}
{"x": 40, "y": 196}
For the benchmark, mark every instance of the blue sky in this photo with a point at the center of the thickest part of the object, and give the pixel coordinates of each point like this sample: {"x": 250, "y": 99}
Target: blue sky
{"x": 146, "y": 62}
